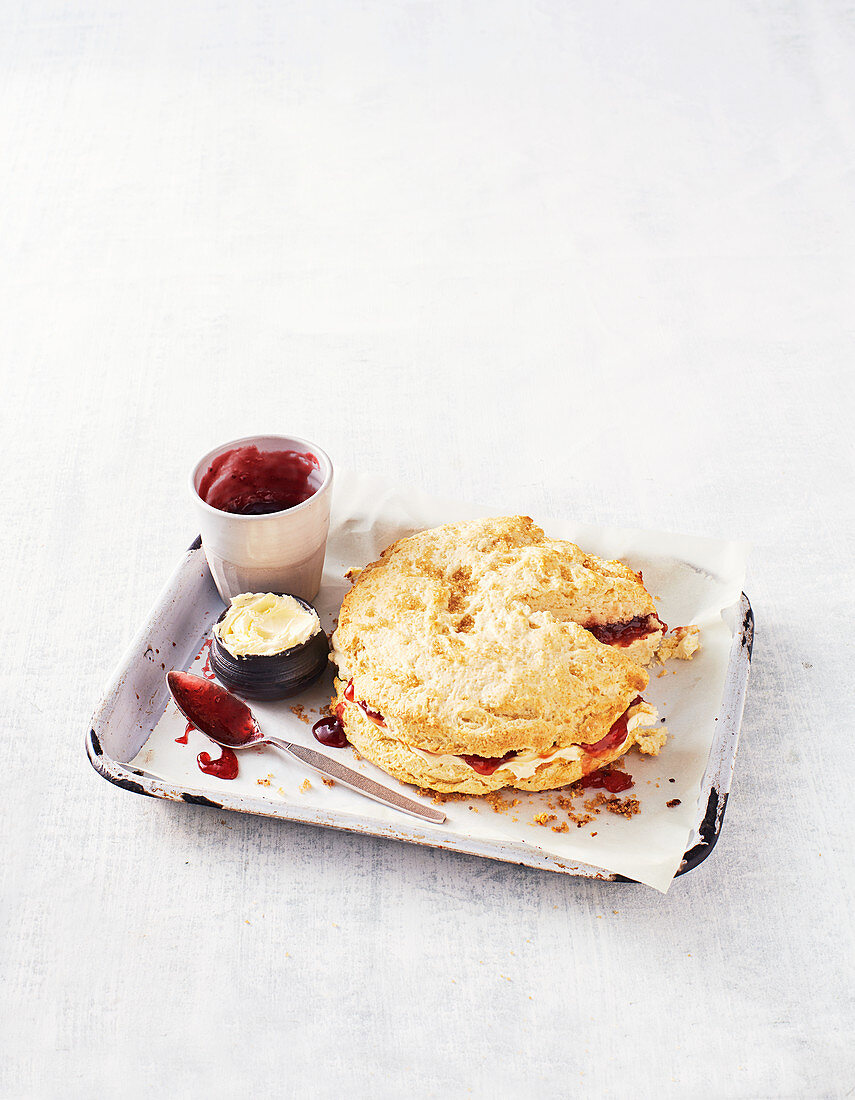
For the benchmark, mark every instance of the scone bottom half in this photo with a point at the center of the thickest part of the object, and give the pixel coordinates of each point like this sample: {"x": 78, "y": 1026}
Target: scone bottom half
{"x": 370, "y": 734}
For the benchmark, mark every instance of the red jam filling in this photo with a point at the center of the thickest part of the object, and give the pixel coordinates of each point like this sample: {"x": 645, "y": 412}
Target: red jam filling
{"x": 330, "y": 731}
{"x": 374, "y": 715}
{"x": 616, "y": 735}
{"x": 624, "y": 634}
{"x": 250, "y": 482}
{"x": 486, "y": 765}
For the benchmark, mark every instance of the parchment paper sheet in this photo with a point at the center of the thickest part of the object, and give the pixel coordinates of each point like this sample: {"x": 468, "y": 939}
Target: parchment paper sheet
{"x": 692, "y": 581}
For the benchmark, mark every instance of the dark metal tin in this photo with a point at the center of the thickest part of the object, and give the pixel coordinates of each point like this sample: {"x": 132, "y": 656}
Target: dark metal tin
{"x": 274, "y": 676}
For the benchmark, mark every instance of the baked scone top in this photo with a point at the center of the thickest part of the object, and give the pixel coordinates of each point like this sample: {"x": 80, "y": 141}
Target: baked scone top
{"x": 466, "y": 638}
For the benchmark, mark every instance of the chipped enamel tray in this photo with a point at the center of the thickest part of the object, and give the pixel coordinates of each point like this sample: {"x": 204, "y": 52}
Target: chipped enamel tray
{"x": 137, "y": 703}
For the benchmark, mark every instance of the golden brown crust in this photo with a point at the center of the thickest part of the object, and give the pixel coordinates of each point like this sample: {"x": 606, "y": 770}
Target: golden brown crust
{"x": 467, "y": 638}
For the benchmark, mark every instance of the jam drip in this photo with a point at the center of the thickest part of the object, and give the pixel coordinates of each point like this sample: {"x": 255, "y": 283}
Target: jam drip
{"x": 613, "y": 782}
{"x": 250, "y": 482}
{"x": 330, "y": 731}
{"x": 224, "y": 767}
{"x": 625, "y": 633}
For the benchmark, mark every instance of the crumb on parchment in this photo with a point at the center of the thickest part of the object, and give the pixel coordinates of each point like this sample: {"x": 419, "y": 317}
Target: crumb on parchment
{"x": 327, "y": 782}
{"x": 559, "y": 801}
{"x": 300, "y": 712}
{"x": 682, "y": 643}
{"x": 305, "y": 786}
{"x": 650, "y": 741}
{"x": 438, "y": 797}
{"x": 500, "y": 805}
{"x": 625, "y": 807}
{"x": 266, "y": 781}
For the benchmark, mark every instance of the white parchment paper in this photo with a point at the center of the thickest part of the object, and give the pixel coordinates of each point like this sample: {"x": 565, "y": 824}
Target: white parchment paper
{"x": 692, "y": 580}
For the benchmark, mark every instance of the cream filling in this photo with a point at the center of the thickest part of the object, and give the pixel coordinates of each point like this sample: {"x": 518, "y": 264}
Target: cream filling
{"x": 527, "y": 762}
{"x": 262, "y": 623}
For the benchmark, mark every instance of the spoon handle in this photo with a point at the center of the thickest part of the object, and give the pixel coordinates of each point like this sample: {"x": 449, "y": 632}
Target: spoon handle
{"x": 358, "y": 782}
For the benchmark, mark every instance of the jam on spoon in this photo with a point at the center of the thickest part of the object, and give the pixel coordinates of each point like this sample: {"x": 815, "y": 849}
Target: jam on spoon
{"x": 213, "y": 710}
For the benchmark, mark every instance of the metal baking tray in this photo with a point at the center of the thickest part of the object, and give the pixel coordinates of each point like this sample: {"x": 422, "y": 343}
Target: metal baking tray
{"x": 137, "y": 696}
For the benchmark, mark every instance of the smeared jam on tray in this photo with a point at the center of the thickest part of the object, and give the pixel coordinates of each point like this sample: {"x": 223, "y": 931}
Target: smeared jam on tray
{"x": 207, "y": 671}
{"x": 330, "y": 731}
{"x": 625, "y": 633}
{"x": 182, "y": 740}
{"x": 250, "y": 482}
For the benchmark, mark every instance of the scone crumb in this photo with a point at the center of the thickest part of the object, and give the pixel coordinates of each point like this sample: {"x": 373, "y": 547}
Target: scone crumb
{"x": 683, "y": 643}
{"x": 327, "y": 782}
{"x": 650, "y": 741}
{"x": 266, "y": 781}
{"x": 672, "y": 802}
{"x": 569, "y": 807}
{"x": 305, "y": 786}
{"x": 438, "y": 797}
{"x": 500, "y": 805}
{"x": 544, "y": 819}
{"x": 562, "y": 828}
{"x": 625, "y": 807}
{"x": 300, "y": 712}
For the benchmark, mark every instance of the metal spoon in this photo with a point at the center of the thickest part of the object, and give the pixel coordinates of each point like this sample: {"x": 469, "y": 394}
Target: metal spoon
{"x": 229, "y": 722}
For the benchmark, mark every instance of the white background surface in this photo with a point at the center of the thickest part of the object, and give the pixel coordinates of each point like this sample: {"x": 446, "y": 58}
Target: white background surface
{"x": 589, "y": 259}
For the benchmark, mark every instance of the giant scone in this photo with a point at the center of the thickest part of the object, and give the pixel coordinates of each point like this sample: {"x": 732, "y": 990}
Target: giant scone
{"x": 483, "y": 655}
